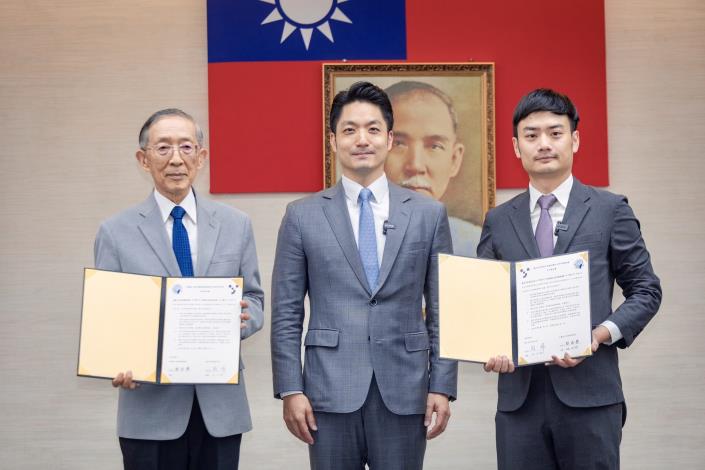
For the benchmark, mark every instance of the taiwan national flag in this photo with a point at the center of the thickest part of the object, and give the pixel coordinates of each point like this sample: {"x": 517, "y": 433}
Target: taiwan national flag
{"x": 265, "y": 80}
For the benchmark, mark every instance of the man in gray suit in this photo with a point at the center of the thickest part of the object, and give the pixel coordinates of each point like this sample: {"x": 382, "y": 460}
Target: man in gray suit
{"x": 181, "y": 426}
{"x": 365, "y": 252}
{"x": 568, "y": 415}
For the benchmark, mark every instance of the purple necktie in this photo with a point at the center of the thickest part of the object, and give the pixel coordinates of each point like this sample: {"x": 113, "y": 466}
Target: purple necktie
{"x": 544, "y": 229}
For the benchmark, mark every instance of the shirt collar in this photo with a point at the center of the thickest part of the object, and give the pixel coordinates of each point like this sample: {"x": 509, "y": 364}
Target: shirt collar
{"x": 562, "y": 193}
{"x": 379, "y": 189}
{"x": 166, "y": 205}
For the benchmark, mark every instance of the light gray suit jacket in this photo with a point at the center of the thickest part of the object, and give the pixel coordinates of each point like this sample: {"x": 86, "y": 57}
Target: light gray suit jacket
{"x": 136, "y": 241}
{"x": 355, "y": 331}
{"x": 605, "y": 225}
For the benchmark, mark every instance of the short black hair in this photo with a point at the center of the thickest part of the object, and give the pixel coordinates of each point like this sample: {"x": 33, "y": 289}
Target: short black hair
{"x": 365, "y": 92}
{"x": 545, "y": 99}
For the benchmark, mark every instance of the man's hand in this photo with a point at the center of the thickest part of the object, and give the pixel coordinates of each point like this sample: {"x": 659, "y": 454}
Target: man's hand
{"x": 298, "y": 416}
{"x": 499, "y": 364}
{"x": 436, "y": 403}
{"x": 124, "y": 380}
{"x": 244, "y": 316}
{"x": 565, "y": 362}
{"x": 599, "y": 335}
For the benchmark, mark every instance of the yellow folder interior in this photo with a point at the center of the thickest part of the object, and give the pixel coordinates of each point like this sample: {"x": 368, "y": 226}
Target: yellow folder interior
{"x": 475, "y": 308}
{"x": 119, "y": 324}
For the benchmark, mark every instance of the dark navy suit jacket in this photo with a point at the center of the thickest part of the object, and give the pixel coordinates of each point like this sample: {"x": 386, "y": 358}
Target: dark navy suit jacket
{"x": 604, "y": 224}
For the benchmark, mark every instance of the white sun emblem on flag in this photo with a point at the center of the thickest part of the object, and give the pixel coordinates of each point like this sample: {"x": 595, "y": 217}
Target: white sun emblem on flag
{"x": 306, "y": 15}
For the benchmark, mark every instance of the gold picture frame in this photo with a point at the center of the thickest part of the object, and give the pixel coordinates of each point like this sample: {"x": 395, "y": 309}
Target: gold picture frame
{"x": 467, "y": 91}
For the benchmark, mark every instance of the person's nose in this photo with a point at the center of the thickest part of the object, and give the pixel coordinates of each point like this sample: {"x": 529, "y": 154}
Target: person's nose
{"x": 176, "y": 158}
{"x": 363, "y": 139}
{"x": 415, "y": 160}
{"x": 544, "y": 142}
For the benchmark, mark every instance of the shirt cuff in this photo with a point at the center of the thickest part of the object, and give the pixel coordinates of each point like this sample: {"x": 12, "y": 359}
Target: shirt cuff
{"x": 615, "y": 333}
{"x": 292, "y": 392}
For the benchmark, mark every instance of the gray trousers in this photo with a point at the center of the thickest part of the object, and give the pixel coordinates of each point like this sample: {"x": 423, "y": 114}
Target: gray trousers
{"x": 372, "y": 435}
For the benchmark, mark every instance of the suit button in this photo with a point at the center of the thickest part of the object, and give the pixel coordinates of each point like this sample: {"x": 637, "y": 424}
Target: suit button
{"x": 373, "y": 302}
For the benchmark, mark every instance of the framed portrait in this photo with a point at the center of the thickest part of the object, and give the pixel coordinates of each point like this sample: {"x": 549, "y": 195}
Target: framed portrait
{"x": 444, "y": 135}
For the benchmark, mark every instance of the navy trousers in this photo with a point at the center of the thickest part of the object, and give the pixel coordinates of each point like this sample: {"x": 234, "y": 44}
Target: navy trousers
{"x": 194, "y": 450}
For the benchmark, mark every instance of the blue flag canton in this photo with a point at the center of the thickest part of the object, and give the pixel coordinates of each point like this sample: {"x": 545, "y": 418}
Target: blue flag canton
{"x": 291, "y": 30}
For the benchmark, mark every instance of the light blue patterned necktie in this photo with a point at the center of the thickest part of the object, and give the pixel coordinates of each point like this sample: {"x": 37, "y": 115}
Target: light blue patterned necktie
{"x": 179, "y": 242}
{"x": 367, "y": 241}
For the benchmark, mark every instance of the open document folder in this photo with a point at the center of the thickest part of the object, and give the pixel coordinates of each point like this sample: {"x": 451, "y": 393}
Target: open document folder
{"x": 165, "y": 330}
{"x": 528, "y": 311}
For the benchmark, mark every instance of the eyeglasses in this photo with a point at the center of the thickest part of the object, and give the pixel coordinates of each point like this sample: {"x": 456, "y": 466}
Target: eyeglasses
{"x": 166, "y": 150}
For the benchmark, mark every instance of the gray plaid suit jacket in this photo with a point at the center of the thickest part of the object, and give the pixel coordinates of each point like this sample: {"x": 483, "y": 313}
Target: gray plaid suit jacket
{"x": 353, "y": 331}
{"x": 135, "y": 241}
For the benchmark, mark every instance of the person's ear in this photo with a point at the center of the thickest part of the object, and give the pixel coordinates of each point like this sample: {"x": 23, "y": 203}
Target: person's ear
{"x": 457, "y": 159}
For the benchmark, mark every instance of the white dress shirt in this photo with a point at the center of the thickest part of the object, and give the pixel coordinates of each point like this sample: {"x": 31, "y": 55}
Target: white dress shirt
{"x": 379, "y": 202}
{"x": 189, "y": 220}
{"x": 557, "y": 211}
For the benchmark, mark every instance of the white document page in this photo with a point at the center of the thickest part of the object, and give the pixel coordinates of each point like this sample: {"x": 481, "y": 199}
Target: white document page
{"x": 201, "y": 330}
{"x": 553, "y": 307}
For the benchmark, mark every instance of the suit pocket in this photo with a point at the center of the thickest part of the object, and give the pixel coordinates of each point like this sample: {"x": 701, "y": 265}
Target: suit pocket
{"x": 416, "y": 341}
{"x": 587, "y": 239}
{"x": 414, "y": 246}
{"x": 325, "y": 338}
{"x": 225, "y": 258}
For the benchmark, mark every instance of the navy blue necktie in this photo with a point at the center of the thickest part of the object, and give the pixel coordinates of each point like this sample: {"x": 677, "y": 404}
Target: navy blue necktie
{"x": 179, "y": 242}
{"x": 366, "y": 239}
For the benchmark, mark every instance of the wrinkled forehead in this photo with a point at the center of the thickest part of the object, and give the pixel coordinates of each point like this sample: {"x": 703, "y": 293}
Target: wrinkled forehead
{"x": 423, "y": 109}
{"x": 172, "y": 127}
{"x": 417, "y": 104}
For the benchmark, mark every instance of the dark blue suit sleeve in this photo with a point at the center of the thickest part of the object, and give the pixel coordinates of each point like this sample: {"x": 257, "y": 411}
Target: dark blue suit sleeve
{"x": 631, "y": 265}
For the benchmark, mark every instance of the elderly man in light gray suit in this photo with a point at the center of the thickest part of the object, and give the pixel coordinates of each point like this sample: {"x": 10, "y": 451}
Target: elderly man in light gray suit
{"x": 181, "y": 426}
{"x": 365, "y": 252}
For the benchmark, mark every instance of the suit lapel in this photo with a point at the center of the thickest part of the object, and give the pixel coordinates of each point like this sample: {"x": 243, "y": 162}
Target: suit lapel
{"x": 152, "y": 227}
{"x": 399, "y": 215}
{"x": 576, "y": 211}
{"x": 336, "y": 211}
{"x": 208, "y": 230}
{"x": 521, "y": 220}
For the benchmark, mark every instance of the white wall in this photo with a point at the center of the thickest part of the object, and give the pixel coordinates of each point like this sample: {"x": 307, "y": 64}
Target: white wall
{"x": 79, "y": 77}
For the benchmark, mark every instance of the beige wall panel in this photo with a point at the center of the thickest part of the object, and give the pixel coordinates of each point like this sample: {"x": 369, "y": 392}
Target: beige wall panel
{"x": 78, "y": 79}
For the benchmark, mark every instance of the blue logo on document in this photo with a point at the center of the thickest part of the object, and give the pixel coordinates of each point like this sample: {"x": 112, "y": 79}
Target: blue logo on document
{"x": 177, "y": 289}
{"x": 578, "y": 263}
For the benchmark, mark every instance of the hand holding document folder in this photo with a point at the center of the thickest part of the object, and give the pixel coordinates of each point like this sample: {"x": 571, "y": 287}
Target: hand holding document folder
{"x": 163, "y": 330}
{"x": 528, "y": 311}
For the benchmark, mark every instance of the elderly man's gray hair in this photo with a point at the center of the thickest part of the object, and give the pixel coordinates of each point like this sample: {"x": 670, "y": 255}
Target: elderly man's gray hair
{"x": 144, "y": 132}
